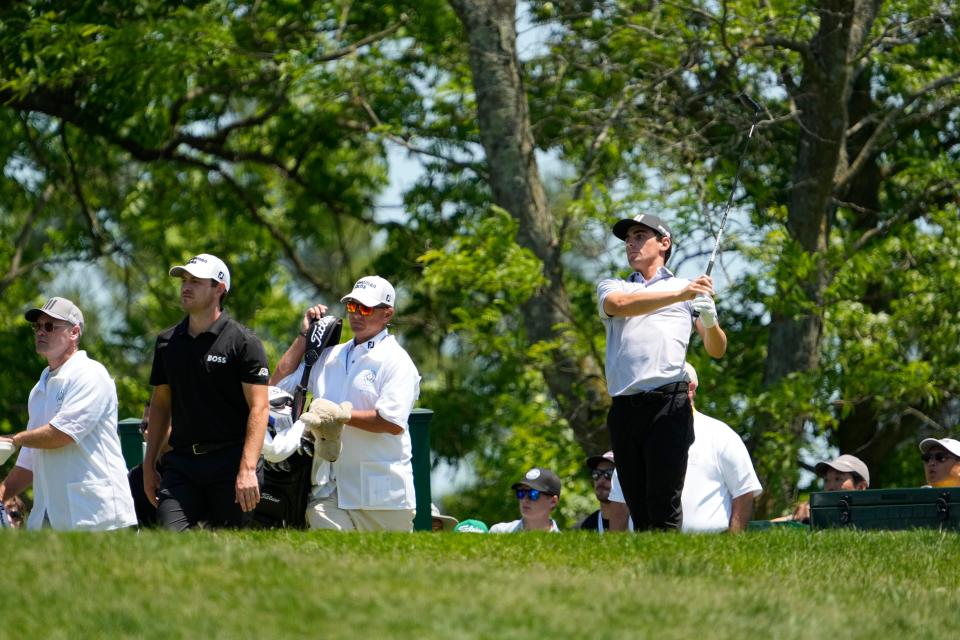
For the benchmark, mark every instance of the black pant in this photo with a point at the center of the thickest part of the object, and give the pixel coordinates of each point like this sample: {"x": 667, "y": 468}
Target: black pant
{"x": 146, "y": 512}
{"x": 650, "y": 434}
{"x": 198, "y": 489}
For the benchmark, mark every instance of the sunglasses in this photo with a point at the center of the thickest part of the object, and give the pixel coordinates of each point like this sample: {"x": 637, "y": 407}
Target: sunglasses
{"x": 362, "y": 309}
{"x": 47, "y": 326}
{"x": 938, "y": 456}
{"x": 596, "y": 474}
{"x": 533, "y": 494}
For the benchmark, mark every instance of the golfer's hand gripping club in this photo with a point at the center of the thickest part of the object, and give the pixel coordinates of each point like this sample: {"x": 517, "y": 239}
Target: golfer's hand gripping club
{"x": 706, "y": 309}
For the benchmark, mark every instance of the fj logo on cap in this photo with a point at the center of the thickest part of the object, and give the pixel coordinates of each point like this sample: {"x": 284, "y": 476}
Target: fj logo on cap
{"x": 533, "y": 474}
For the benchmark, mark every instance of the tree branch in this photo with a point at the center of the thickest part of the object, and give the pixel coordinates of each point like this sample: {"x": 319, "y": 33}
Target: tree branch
{"x": 362, "y": 42}
{"x": 866, "y": 152}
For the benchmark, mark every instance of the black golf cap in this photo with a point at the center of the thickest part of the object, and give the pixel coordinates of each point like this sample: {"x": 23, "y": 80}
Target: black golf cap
{"x": 648, "y": 220}
{"x": 540, "y": 479}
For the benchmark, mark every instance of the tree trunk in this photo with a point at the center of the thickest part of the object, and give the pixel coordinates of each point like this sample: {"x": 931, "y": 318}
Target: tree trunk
{"x": 822, "y": 99}
{"x": 576, "y": 383}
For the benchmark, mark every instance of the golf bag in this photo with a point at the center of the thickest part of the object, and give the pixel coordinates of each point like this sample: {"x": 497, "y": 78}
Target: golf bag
{"x": 286, "y": 484}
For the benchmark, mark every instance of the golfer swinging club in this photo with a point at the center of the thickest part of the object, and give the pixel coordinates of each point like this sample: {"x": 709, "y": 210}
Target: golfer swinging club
{"x": 647, "y": 319}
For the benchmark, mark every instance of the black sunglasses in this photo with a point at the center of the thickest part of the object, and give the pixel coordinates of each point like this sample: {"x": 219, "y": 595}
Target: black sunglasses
{"x": 939, "y": 456}
{"x": 596, "y": 474}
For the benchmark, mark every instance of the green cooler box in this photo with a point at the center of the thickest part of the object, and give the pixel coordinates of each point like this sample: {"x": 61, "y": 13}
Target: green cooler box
{"x": 930, "y": 508}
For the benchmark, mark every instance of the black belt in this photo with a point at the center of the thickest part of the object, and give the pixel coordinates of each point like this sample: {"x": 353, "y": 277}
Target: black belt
{"x": 201, "y": 448}
{"x": 670, "y": 389}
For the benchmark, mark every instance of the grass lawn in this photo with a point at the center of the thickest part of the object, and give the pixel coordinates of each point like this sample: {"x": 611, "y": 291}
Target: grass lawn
{"x": 770, "y": 584}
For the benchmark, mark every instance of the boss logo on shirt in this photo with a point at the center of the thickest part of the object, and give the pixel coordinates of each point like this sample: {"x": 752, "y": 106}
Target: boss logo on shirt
{"x": 217, "y": 359}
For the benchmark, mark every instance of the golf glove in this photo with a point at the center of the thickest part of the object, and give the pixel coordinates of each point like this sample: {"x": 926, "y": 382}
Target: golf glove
{"x": 707, "y": 309}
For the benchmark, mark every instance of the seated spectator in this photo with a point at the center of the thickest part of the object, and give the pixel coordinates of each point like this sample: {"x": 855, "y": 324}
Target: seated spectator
{"x": 441, "y": 522}
{"x": 845, "y": 473}
{"x": 601, "y": 471}
{"x": 16, "y": 510}
{"x": 538, "y": 493}
{"x": 471, "y": 525}
{"x": 941, "y": 462}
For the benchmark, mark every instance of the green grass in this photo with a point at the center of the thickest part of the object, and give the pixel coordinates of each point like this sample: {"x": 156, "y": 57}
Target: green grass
{"x": 779, "y": 584}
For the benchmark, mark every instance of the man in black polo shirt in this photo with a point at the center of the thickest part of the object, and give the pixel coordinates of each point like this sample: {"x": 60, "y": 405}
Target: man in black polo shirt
{"x": 210, "y": 376}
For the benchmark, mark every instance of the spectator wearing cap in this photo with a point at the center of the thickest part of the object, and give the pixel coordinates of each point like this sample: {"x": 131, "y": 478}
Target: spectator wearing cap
{"x": 601, "y": 472}
{"x": 538, "y": 493}
{"x": 941, "y": 461}
{"x": 363, "y": 392}
{"x": 70, "y": 449}
{"x": 470, "y": 525}
{"x": 648, "y": 319}
{"x": 843, "y": 473}
{"x": 210, "y": 390}
{"x": 440, "y": 522}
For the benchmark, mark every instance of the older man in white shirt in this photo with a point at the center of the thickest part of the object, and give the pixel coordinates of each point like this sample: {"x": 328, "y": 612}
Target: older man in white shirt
{"x": 71, "y": 451}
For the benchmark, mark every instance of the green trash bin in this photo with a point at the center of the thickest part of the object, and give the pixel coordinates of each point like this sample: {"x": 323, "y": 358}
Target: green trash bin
{"x": 420, "y": 441}
{"x": 131, "y": 441}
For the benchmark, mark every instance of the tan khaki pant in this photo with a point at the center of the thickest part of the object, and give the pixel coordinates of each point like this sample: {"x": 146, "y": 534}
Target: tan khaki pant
{"x": 324, "y": 513}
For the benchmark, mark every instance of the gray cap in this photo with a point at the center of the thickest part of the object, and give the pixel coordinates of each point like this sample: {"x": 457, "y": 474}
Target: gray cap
{"x": 949, "y": 444}
{"x": 844, "y": 464}
{"x": 540, "y": 479}
{"x": 59, "y": 308}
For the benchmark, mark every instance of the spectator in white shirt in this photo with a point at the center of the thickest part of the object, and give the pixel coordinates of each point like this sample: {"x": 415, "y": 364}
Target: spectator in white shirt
{"x": 71, "y": 450}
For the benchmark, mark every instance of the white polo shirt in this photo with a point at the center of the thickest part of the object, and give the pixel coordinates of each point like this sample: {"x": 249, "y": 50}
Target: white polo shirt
{"x": 82, "y": 485}
{"x": 646, "y": 351}
{"x": 374, "y": 469}
{"x": 719, "y": 469}
{"x": 516, "y": 526}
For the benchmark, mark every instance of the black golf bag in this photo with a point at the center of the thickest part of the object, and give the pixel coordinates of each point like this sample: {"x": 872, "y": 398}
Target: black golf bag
{"x": 286, "y": 484}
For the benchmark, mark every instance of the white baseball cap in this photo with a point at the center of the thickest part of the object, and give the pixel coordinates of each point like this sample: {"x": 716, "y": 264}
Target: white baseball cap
{"x": 372, "y": 291}
{"x": 949, "y": 444}
{"x": 59, "y": 308}
{"x": 205, "y": 265}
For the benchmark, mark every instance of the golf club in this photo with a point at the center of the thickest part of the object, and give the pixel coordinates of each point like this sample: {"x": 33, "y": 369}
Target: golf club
{"x": 751, "y": 104}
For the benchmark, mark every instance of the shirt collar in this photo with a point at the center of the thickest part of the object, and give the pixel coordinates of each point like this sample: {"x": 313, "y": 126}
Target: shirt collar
{"x": 662, "y": 274}
{"x": 215, "y": 328}
{"x": 369, "y": 344}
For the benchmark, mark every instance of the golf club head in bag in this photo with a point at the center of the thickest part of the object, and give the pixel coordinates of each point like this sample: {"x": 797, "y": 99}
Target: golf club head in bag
{"x": 323, "y": 333}
{"x": 281, "y": 410}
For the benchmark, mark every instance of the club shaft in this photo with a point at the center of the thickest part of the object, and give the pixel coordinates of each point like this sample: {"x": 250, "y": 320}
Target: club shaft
{"x": 726, "y": 208}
